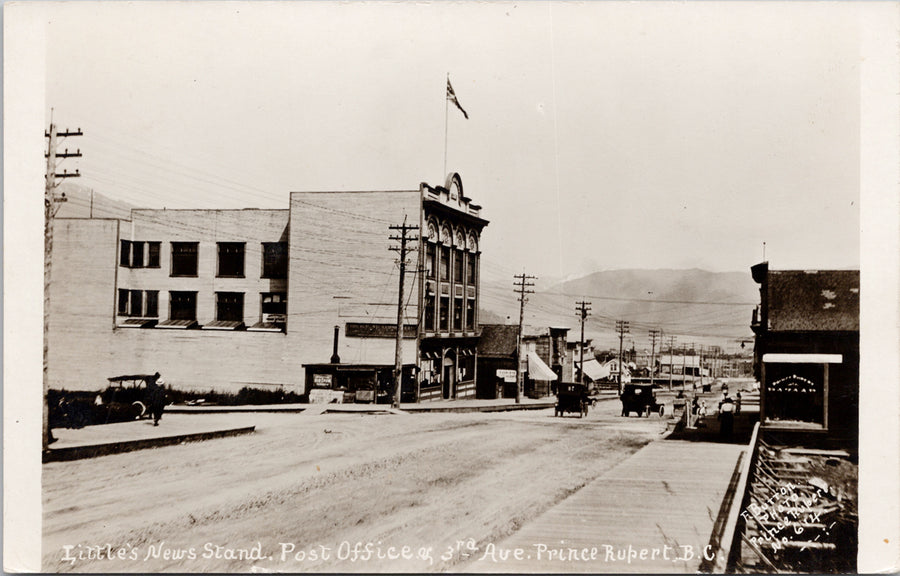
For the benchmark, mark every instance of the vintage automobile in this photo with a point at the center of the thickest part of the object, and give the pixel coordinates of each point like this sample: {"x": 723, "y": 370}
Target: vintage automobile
{"x": 571, "y": 397}
{"x": 639, "y": 398}
{"x": 126, "y": 397}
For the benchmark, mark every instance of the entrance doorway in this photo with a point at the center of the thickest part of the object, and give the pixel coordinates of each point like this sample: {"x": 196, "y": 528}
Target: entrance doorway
{"x": 449, "y": 379}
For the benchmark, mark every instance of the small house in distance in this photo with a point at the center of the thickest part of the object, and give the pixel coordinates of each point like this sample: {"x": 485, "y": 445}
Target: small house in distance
{"x": 806, "y": 356}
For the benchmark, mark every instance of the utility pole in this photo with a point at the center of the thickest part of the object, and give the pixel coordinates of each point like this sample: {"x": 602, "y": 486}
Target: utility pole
{"x": 622, "y": 329}
{"x": 654, "y": 334}
{"x": 522, "y": 283}
{"x": 583, "y": 309}
{"x": 693, "y": 353}
{"x": 398, "y": 350}
{"x": 671, "y": 359}
{"x": 50, "y": 207}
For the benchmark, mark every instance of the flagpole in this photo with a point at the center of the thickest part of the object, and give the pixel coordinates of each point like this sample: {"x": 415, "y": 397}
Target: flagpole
{"x": 446, "y": 107}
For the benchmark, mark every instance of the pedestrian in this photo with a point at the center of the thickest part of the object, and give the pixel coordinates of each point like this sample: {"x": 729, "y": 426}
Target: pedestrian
{"x": 156, "y": 397}
{"x": 726, "y": 418}
{"x": 737, "y": 403}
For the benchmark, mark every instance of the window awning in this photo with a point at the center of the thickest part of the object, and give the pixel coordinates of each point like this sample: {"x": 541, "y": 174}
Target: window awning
{"x": 266, "y": 327}
{"x": 537, "y": 369}
{"x": 178, "y": 324}
{"x": 594, "y": 371}
{"x": 224, "y": 325}
{"x": 138, "y": 323}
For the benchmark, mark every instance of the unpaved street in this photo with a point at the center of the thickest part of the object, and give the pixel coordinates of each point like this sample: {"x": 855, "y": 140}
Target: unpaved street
{"x": 334, "y": 492}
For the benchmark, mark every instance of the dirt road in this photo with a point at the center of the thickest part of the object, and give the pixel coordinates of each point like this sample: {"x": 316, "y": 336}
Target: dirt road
{"x": 334, "y": 492}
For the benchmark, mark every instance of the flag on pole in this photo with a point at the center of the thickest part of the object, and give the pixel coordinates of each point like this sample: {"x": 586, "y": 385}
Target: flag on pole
{"x": 451, "y": 96}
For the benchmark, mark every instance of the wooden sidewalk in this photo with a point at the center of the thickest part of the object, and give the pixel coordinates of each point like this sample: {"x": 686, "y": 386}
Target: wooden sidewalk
{"x": 653, "y": 513}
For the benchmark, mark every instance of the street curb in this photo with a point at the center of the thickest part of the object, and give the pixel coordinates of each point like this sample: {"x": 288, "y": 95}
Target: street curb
{"x": 230, "y": 410}
{"x": 95, "y": 450}
{"x": 500, "y": 408}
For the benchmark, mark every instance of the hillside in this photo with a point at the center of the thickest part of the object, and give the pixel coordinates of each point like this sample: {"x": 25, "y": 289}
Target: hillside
{"x": 695, "y": 306}
{"x": 81, "y": 202}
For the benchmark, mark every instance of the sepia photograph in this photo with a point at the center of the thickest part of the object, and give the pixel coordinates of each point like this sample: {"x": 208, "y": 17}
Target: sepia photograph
{"x": 466, "y": 287}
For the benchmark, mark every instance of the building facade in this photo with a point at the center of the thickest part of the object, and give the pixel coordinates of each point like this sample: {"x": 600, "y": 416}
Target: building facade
{"x": 806, "y": 354}
{"x": 222, "y": 299}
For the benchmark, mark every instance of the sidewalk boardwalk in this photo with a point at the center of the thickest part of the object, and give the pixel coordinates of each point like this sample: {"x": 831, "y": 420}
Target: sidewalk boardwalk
{"x": 654, "y": 513}
{"x": 92, "y": 441}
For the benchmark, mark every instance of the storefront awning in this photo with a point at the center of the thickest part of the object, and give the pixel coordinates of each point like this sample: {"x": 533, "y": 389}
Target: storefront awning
{"x": 537, "y": 370}
{"x": 594, "y": 371}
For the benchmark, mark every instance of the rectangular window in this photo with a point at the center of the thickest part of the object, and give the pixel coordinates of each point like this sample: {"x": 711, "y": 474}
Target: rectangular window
{"x": 429, "y": 313}
{"x": 182, "y": 305}
{"x": 153, "y": 254}
{"x": 445, "y": 264}
{"x": 275, "y": 260}
{"x": 457, "y": 313}
{"x": 231, "y": 260}
{"x": 125, "y": 253}
{"x": 137, "y": 254}
{"x": 470, "y": 267}
{"x": 152, "y": 304}
{"x": 137, "y": 303}
{"x": 184, "y": 258}
{"x": 470, "y": 314}
{"x": 458, "y": 258}
{"x": 795, "y": 394}
{"x": 274, "y": 307}
{"x": 230, "y": 306}
{"x": 429, "y": 259}
{"x": 123, "y": 302}
{"x": 445, "y": 313}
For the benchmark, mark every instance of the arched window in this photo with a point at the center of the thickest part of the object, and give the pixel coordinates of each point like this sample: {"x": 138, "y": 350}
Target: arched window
{"x": 444, "y": 265}
{"x": 431, "y": 250}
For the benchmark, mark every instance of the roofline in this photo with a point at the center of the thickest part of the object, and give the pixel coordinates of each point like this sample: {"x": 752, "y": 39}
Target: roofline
{"x": 415, "y": 191}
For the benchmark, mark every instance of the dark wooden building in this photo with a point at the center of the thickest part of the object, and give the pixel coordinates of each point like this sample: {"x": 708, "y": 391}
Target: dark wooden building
{"x": 806, "y": 355}
{"x": 544, "y": 360}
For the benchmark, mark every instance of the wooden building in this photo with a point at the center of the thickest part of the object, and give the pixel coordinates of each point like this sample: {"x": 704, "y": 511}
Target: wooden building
{"x": 806, "y": 355}
{"x": 544, "y": 360}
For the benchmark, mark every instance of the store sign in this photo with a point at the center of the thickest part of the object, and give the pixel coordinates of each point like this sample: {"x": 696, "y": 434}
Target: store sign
{"x": 507, "y": 375}
{"x": 320, "y": 396}
{"x": 322, "y": 380}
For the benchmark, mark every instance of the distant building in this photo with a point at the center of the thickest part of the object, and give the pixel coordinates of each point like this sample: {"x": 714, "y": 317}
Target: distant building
{"x": 230, "y": 298}
{"x": 544, "y": 360}
{"x": 681, "y": 367}
{"x": 807, "y": 354}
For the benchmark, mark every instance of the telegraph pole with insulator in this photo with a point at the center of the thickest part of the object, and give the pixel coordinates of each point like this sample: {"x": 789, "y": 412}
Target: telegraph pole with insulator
{"x": 51, "y": 201}
{"x": 398, "y": 349}
{"x": 522, "y": 283}
{"x": 654, "y": 334}
{"x": 583, "y": 310}
{"x": 622, "y": 329}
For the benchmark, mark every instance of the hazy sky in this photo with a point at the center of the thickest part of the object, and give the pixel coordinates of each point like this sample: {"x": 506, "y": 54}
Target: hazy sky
{"x": 600, "y": 135}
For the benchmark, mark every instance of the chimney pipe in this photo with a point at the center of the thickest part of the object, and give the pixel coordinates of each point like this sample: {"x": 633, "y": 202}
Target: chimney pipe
{"x": 335, "y": 359}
